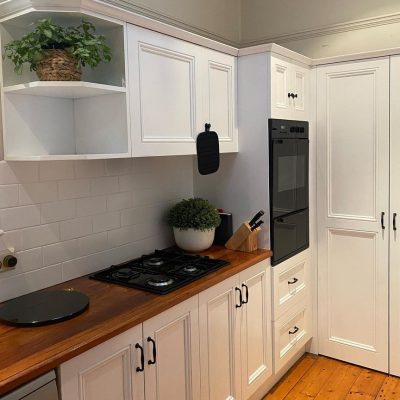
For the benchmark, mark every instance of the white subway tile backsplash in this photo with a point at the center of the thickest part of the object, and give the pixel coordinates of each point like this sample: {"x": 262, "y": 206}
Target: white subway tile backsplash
{"x": 74, "y": 189}
{"x": 118, "y": 166}
{"x": 92, "y": 244}
{"x": 119, "y": 201}
{"x": 104, "y": 185}
{"x": 121, "y": 236}
{"x": 9, "y": 195}
{"x": 106, "y": 222}
{"x": 18, "y": 172}
{"x": 90, "y": 168}
{"x": 40, "y": 192}
{"x": 58, "y": 211}
{"x": 19, "y": 217}
{"x": 51, "y": 171}
{"x": 91, "y": 205}
{"x": 18, "y": 285}
{"x": 59, "y": 252}
{"x": 40, "y": 236}
{"x": 29, "y": 260}
{"x": 83, "y": 216}
{"x": 75, "y": 228}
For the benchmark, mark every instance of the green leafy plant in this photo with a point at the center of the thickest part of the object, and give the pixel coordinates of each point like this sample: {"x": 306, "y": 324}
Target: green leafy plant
{"x": 194, "y": 213}
{"x": 81, "y": 42}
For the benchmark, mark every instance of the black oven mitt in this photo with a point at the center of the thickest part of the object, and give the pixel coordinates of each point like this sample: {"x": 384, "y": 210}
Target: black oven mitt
{"x": 207, "y": 151}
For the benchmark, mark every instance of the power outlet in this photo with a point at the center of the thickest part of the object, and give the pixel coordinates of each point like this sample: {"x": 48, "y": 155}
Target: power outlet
{"x": 8, "y": 260}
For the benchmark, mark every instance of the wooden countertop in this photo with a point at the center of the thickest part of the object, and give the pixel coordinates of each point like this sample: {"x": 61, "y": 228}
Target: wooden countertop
{"x": 26, "y": 353}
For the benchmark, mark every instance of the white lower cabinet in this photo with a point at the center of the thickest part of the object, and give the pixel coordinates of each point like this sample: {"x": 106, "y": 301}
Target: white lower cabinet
{"x": 214, "y": 346}
{"x": 171, "y": 342}
{"x": 292, "y": 313}
{"x": 105, "y": 372}
{"x": 235, "y": 339}
{"x": 291, "y": 332}
{"x": 156, "y": 360}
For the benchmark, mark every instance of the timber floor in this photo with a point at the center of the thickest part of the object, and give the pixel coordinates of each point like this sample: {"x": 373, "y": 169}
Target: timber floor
{"x": 322, "y": 378}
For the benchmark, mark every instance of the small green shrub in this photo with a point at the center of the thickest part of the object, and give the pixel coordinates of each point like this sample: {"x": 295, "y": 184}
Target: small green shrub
{"x": 81, "y": 41}
{"x": 194, "y": 213}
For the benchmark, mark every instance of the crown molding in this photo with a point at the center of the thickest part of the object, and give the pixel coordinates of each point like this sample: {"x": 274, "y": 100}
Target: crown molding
{"x": 327, "y": 30}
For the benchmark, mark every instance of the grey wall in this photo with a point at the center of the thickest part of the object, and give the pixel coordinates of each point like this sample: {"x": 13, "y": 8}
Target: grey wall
{"x": 322, "y": 28}
{"x": 217, "y": 19}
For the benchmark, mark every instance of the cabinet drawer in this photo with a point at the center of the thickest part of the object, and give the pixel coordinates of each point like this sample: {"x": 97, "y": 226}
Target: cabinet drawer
{"x": 291, "y": 332}
{"x": 290, "y": 283}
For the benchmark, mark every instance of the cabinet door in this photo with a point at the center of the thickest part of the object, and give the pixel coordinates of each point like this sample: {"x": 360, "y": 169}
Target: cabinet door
{"x": 353, "y": 193}
{"x": 172, "y": 353}
{"x": 300, "y": 89}
{"x": 395, "y": 215}
{"x": 107, "y": 371}
{"x": 256, "y": 344}
{"x": 280, "y": 89}
{"x": 220, "y": 341}
{"x": 165, "y": 93}
{"x": 220, "y": 98}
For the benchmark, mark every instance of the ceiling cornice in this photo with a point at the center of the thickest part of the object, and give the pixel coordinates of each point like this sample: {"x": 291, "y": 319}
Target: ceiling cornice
{"x": 326, "y": 30}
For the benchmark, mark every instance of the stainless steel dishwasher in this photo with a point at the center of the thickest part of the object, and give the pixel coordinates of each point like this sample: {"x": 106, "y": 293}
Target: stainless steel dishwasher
{"x": 42, "y": 388}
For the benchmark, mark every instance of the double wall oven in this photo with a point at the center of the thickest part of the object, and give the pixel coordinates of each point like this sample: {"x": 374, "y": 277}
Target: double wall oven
{"x": 288, "y": 185}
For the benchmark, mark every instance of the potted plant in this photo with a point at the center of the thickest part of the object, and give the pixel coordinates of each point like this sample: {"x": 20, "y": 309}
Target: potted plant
{"x": 194, "y": 222}
{"x": 57, "y": 53}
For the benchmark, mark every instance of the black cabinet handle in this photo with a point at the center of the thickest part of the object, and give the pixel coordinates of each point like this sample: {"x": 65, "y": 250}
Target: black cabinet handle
{"x": 240, "y": 297}
{"x": 394, "y": 221}
{"x": 295, "y": 330}
{"x": 383, "y": 220}
{"x": 247, "y": 293}
{"x": 295, "y": 96}
{"x": 289, "y": 95}
{"x": 292, "y": 282}
{"x": 154, "y": 360}
{"x": 141, "y": 368}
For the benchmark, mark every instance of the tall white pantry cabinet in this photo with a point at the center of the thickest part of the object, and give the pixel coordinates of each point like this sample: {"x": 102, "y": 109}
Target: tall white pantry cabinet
{"x": 358, "y": 114}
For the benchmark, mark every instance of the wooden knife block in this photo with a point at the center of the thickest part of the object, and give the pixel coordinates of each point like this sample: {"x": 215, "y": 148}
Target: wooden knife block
{"x": 244, "y": 239}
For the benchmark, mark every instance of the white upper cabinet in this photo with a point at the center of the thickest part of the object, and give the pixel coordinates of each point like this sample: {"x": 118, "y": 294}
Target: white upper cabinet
{"x": 220, "y": 98}
{"x": 289, "y": 90}
{"x": 176, "y": 88}
{"x": 45, "y": 120}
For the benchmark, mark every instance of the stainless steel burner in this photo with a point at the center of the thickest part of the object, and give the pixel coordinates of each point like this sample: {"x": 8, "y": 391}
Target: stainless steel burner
{"x": 123, "y": 273}
{"x": 159, "y": 282}
{"x": 190, "y": 268}
{"x": 154, "y": 262}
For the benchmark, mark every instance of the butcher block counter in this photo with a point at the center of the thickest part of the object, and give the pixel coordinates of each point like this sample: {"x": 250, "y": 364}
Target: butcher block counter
{"x": 26, "y": 353}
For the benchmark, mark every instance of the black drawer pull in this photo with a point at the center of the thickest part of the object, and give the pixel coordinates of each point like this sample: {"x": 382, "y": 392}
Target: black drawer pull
{"x": 154, "y": 360}
{"x": 247, "y": 293}
{"x": 293, "y": 281}
{"x": 394, "y": 221}
{"x": 141, "y": 368}
{"x": 240, "y": 297}
{"x": 295, "y": 330}
{"x": 383, "y": 220}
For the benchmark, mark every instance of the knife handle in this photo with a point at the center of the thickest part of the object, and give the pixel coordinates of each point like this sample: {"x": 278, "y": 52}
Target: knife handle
{"x": 256, "y": 225}
{"x": 256, "y": 217}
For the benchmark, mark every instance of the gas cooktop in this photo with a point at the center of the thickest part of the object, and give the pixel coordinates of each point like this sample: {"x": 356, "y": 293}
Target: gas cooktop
{"x": 160, "y": 272}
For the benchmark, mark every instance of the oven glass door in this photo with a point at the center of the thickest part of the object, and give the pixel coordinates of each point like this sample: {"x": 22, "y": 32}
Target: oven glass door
{"x": 289, "y": 176}
{"x": 290, "y": 235}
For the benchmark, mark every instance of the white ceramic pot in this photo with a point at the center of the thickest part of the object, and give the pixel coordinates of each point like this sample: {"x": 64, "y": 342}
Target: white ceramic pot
{"x": 194, "y": 240}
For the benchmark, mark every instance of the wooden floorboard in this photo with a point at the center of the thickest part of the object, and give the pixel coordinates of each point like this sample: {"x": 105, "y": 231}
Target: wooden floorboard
{"x": 323, "y": 378}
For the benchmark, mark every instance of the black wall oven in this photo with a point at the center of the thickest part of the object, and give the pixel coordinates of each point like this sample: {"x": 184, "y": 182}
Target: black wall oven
{"x": 288, "y": 186}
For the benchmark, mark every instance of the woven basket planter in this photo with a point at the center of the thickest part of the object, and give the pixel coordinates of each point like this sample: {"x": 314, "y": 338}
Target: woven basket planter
{"x": 58, "y": 65}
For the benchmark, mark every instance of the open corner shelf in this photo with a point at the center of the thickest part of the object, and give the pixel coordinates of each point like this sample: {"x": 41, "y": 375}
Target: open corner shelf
{"x": 64, "y": 89}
